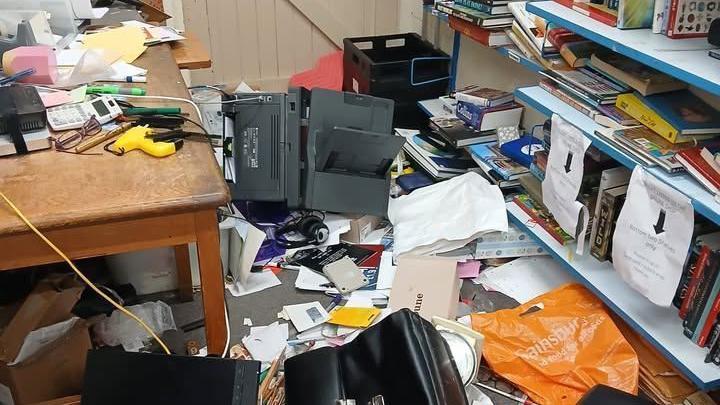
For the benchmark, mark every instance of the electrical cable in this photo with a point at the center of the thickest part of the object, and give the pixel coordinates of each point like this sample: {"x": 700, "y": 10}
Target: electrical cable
{"x": 184, "y": 100}
{"x": 82, "y": 276}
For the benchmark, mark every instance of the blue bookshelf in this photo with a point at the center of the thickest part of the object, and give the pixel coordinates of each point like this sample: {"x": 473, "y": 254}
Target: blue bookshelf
{"x": 547, "y": 104}
{"x": 658, "y": 325}
{"x": 685, "y": 59}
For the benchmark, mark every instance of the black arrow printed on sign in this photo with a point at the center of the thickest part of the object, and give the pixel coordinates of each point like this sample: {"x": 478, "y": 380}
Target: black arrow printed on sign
{"x": 568, "y": 162}
{"x": 660, "y": 223}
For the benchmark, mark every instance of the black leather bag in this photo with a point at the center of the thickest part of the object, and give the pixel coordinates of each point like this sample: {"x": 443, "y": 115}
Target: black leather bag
{"x": 403, "y": 358}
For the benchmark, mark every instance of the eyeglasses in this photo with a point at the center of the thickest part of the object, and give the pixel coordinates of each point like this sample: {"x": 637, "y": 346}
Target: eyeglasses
{"x": 71, "y": 139}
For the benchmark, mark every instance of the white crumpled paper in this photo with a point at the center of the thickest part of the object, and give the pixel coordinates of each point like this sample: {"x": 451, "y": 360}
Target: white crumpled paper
{"x": 446, "y": 215}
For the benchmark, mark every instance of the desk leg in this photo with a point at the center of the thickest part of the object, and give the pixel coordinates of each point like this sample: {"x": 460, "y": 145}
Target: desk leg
{"x": 213, "y": 286}
{"x": 184, "y": 274}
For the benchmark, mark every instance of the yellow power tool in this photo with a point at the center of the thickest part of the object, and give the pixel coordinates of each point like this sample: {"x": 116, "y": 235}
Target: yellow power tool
{"x": 140, "y": 138}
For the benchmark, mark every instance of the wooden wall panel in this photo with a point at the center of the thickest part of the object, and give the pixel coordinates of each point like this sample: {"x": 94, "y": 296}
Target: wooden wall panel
{"x": 266, "y": 41}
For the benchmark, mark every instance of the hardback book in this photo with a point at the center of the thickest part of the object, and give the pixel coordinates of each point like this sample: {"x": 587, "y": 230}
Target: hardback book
{"x": 702, "y": 295}
{"x": 561, "y": 36}
{"x": 633, "y": 14}
{"x": 552, "y": 61}
{"x": 644, "y": 79}
{"x": 611, "y": 202}
{"x": 617, "y": 115}
{"x": 686, "y": 112}
{"x": 701, "y": 170}
{"x": 487, "y": 37}
{"x": 492, "y": 175}
{"x": 696, "y": 275}
{"x": 609, "y": 178}
{"x": 484, "y": 97}
{"x": 687, "y": 273}
{"x": 651, "y": 147}
{"x": 491, "y": 155}
{"x": 490, "y": 118}
{"x": 542, "y": 218}
{"x": 596, "y": 14}
{"x": 577, "y": 54}
{"x": 580, "y": 105}
{"x": 587, "y": 85}
{"x": 713, "y": 355}
{"x": 484, "y": 7}
{"x": 711, "y": 157}
{"x": 458, "y": 134}
{"x": 702, "y": 13}
{"x": 522, "y": 150}
{"x": 658, "y": 120}
{"x": 709, "y": 318}
{"x": 474, "y": 16}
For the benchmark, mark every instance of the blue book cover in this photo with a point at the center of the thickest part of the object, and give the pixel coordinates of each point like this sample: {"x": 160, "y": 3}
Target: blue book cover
{"x": 503, "y": 165}
{"x": 685, "y": 111}
{"x": 521, "y": 150}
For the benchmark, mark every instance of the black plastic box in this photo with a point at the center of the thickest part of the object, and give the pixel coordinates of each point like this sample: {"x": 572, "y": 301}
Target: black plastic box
{"x": 401, "y": 67}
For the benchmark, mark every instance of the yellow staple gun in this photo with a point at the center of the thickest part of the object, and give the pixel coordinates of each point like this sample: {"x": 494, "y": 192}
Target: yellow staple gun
{"x": 140, "y": 138}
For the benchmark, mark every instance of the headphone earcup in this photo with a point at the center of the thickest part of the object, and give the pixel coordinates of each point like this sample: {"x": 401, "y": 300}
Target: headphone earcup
{"x": 313, "y": 228}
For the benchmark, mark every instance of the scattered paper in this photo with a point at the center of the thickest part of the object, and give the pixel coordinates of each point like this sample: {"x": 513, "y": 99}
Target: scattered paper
{"x": 77, "y": 95}
{"x": 40, "y": 338}
{"x": 267, "y": 343}
{"x": 316, "y": 332}
{"x": 305, "y": 316}
{"x": 247, "y": 322}
{"x": 353, "y": 317}
{"x": 122, "y": 69}
{"x": 254, "y": 283}
{"x": 284, "y": 326}
{"x": 652, "y": 237}
{"x": 312, "y": 281}
{"x": 69, "y": 57}
{"x": 84, "y": 10}
{"x": 53, "y": 98}
{"x": 387, "y": 271}
{"x": 469, "y": 269}
{"x": 525, "y": 278}
{"x": 563, "y": 178}
{"x": 129, "y": 41}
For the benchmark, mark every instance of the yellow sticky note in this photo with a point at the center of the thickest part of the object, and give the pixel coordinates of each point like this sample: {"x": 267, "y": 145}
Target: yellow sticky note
{"x": 128, "y": 41}
{"x": 353, "y": 317}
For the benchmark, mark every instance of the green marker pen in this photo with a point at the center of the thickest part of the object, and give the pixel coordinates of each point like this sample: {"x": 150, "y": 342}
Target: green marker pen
{"x": 108, "y": 89}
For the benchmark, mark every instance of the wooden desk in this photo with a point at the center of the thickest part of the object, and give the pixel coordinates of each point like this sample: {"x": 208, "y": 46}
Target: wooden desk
{"x": 190, "y": 53}
{"x": 99, "y": 205}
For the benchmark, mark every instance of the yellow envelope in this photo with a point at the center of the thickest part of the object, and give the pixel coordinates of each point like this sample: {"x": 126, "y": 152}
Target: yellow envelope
{"x": 353, "y": 317}
{"x": 128, "y": 41}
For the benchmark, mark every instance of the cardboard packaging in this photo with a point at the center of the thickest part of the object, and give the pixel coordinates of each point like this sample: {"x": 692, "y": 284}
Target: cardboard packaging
{"x": 427, "y": 285}
{"x": 56, "y": 369}
{"x": 360, "y": 227}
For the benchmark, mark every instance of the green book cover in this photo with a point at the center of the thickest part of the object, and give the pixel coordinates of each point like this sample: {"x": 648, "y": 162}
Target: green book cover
{"x": 635, "y": 14}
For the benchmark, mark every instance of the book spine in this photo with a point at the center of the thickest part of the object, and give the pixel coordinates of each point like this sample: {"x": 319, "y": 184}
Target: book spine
{"x": 478, "y": 101}
{"x": 475, "y": 5}
{"x": 711, "y": 318}
{"x": 597, "y": 15}
{"x": 658, "y": 16}
{"x": 586, "y": 110}
{"x": 472, "y": 31}
{"x": 688, "y": 271}
{"x": 599, "y": 248}
{"x": 686, "y": 304}
{"x": 457, "y": 13}
{"x": 713, "y": 355}
{"x": 671, "y": 18}
{"x": 536, "y": 218}
{"x": 690, "y": 323}
{"x": 694, "y": 159}
{"x": 636, "y": 109}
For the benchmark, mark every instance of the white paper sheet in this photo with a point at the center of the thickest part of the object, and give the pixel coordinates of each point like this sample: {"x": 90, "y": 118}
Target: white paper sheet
{"x": 652, "y": 237}
{"x": 122, "y": 69}
{"x": 387, "y": 271}
{"x": 563, "y": 177}
{"x": 306, "y": 316}
{"x": 525, "y": 278}
{"x": 446, "y": 215}
{"x": 311, "y": 281}
{"x": 83, "y": 9}
{"x": 265, "y": 344}
{"x": 254, "y": 283}
{"x": 39, "y": 338}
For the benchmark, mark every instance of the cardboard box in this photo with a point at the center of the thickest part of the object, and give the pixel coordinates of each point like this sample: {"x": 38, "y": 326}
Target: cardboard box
{"x": 360, "y": 227}
{"x": 56, "y": 369}
{"x": 427, "y": 285}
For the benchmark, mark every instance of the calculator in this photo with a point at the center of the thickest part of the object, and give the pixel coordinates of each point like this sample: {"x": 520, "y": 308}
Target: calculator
{"x": 72, "y": 116}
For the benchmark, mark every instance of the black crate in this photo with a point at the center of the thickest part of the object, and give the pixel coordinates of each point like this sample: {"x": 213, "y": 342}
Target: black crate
{"x": 401, "y": 67}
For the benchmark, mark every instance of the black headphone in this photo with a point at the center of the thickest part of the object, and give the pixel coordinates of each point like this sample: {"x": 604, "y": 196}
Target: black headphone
{"x": 311, "y": 227}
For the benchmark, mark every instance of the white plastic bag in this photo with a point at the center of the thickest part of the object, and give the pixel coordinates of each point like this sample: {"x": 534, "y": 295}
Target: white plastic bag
{"x": 120, "y": 329}
{"x": 446, "y": 215}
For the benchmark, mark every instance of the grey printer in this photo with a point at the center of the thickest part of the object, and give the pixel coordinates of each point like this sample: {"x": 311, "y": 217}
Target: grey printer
{"x": 319, "y": 149}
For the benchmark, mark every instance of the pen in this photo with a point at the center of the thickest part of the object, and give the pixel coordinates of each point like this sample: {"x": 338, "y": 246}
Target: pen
{"x": 127, "y": 79}
{"x": 133, "y": 91}
{"x": 17, "y": 76}
{"x": 152, "y": 111}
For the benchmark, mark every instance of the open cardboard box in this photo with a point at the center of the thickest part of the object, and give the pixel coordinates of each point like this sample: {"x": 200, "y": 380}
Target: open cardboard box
{"x": 52, "y": 362}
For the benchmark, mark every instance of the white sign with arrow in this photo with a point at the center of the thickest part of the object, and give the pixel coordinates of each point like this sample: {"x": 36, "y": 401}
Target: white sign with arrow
{"x": 652, "y": 237}
{"x": 563, "y": 177}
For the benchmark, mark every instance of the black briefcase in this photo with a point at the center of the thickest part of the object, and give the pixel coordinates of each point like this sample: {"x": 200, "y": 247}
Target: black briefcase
{"x": 402, "y": 360}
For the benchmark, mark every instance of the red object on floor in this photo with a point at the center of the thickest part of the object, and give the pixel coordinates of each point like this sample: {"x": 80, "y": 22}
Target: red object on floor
{"x": 327, "y": 74}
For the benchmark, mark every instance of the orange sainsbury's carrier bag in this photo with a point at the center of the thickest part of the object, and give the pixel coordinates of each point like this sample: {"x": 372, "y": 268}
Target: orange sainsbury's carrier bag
{"x": 558, "y": 346}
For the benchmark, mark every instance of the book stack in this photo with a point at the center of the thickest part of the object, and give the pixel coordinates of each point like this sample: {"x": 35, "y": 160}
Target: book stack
{"x": 623, "y": 14}
{"x": 498, "y": 168}
{"x": 698, "y": 296}
{"x": 488, "y": 14}
{"x": 586, "y": 85}
{"x": 434, "y": 154}
{"x": 531, "y": 36}
{"x": 703, "y": 164}
{"x": 486, "y": 109}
